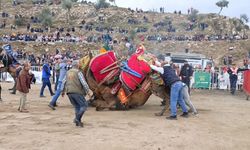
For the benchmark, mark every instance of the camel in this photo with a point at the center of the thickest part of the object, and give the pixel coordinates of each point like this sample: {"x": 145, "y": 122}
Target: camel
{"x": 12, "y": 70}
{"x": 106, "y": 100}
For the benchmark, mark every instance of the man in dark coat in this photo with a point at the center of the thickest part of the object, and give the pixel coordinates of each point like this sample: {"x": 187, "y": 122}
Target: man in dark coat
{"x": 186, "y": 74}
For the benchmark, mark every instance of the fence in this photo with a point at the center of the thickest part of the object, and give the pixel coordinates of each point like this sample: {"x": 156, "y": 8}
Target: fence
{"x": 201, "y": 79}
{"x": 214, "y": 80}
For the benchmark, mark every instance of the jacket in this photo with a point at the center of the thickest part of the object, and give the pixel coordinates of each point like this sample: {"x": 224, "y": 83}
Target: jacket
{"x": 169, "y": 76}
{"x": 46, "y": 71}
{"x": 23, "y": 82}
{"x": 73, "y": 83}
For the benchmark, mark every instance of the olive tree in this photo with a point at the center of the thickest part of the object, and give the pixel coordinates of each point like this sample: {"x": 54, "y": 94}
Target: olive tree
{"x": 222, "y": 4}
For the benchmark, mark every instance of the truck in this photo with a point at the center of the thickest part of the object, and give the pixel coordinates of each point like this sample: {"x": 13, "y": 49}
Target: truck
{"x": 196, "y": 60}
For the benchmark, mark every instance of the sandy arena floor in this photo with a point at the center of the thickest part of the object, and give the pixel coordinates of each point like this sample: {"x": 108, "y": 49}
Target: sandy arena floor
{"x": 223, "y": 123}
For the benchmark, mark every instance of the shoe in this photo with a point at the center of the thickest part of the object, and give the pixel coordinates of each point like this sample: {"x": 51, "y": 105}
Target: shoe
{"x": 171, "y": 118}
{"x": 52, "y": 94}
{"x": 52, "y": 107}
{"x": 23, "y": 111}
{"x": 42, "y": 96}
{"x": 185, "y": 115}
{"x": 79, "y": 124}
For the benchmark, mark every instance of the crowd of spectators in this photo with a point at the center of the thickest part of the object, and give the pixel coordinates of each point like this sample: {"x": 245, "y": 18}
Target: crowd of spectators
{"x": 197, "y": 37}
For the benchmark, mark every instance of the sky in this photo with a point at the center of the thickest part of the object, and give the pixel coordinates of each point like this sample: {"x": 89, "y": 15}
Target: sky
{"x": 235, "y": 7}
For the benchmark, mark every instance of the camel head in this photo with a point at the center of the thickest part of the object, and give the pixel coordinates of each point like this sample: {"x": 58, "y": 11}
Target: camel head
{"x": 157, "y": 86}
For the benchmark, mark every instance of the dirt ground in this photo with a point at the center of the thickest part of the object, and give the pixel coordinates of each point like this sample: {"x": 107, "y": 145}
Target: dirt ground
{"x": 223, "y": 123}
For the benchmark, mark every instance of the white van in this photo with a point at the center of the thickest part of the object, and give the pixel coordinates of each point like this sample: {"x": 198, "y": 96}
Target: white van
{"x": 192, "y": 59}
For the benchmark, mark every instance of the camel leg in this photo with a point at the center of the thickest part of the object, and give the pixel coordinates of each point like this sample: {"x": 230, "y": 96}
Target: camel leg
{"x": 165, "y": 108}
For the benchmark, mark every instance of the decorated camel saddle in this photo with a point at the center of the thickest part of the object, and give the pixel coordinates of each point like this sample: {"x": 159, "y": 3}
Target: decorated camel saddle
{"x": 134, "y": 72}
{"x": 105, "y": 68}
{"x": 123, "y": 77}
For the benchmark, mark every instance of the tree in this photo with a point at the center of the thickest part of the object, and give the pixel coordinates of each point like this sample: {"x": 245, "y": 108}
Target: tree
{"x": 67, "y": 4}
{"x": 19, "y": 21}
{"x": 46, "y": 17}
{"x": 193, "y": 15}
{"x": 222, "y": 4}
{"x": 101, "y": 4}
{"x": 244, "y": 18}
{"x": 113, "y": 1}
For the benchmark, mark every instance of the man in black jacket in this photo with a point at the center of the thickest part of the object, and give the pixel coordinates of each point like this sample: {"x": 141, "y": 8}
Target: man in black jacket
{"x": 172, "y": 80}
{"x": 186, "y": 74}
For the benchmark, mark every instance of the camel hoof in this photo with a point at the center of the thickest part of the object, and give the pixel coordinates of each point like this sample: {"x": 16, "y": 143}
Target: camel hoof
{"x": 158, "y": 114}
{"x": 99, "y": 108}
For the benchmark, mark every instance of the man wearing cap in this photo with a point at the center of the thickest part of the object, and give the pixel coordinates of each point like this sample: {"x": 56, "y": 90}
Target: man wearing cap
{"x": 76, "y": 87}
{"x": 172, "y": 80}
{"x": 58, "y": 59}
{"x": 186, "y": 74}
{"x": 63, "y": 70}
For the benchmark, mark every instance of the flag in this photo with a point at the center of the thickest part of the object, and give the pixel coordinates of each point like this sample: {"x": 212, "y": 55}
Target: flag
{"x": 8, "y": 49}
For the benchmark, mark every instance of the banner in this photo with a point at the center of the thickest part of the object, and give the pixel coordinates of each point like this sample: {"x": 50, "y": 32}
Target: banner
{"x": 38, "y": 75}
{"x": 246, "y": 83}
{"x": 202, "y": 80}
{"x": 224, "y": 82}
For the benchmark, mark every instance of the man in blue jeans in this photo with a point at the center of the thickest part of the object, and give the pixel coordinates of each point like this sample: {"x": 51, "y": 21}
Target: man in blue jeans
{"x": 46, "y": 79}
{"x": 172, "y": 80}
{"x": 63, "y": 70}
{"x": 76, "y": 87}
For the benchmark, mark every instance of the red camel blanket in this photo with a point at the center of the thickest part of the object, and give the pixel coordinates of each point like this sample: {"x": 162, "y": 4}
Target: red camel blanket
{"x": 138, "y": 66}
{"x": 104, "y": 66}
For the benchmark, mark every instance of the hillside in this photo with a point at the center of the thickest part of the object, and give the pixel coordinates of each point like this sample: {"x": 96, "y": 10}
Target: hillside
{"x": 176, "y": 31}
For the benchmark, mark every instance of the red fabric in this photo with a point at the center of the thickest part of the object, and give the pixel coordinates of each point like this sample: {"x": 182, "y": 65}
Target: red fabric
{"x": 246, "y": 82}
{"x": 100, "y": 62}
{"x": 140, "y": 67}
